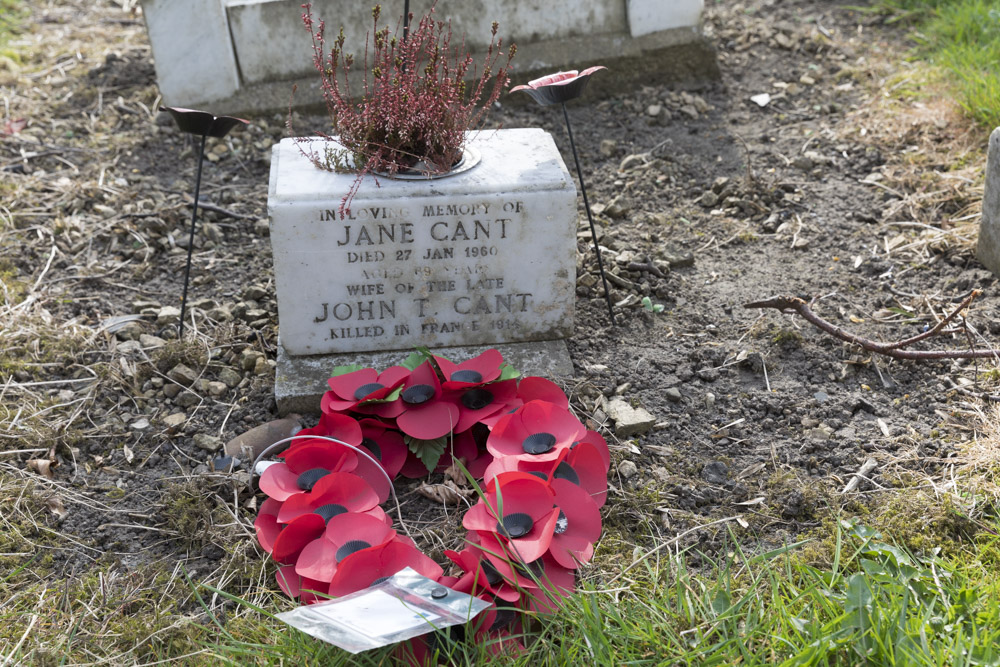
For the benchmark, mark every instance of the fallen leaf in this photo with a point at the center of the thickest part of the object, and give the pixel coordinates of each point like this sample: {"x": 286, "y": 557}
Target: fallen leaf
{"x": 882, "y": 426}
{"x": 454, "y": 473}
{"x": 129, "y": 455}
{"x": 14, "y": 125}
{"x": 751, "y": 470}
{"x": 56, "y": 506}
{"x": 755, "y": 501}
{"x": 447, "y": 493}
{"x": 743, "y": 522}
{"x": 41, "y": 466}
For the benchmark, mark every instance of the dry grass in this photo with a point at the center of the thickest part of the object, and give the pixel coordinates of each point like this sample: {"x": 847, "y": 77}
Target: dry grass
{"x": 934, "y": 158}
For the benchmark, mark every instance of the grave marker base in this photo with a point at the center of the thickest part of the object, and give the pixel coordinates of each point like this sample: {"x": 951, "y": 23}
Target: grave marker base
{"x": 300, "y": 381}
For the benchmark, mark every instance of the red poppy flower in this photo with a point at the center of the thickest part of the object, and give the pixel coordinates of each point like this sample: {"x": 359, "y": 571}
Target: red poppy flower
{"x": 294, "y": 586}
{"x": 295, "y": 536}
{"x": 554, "y": 583}
{"x": 519, "y": 507}
{"x": 479, "y": 575}
{"x": 537, "y": 431}
{"x": 476, "y": 403}
{"x": 600, "y": 444}
{"x": 266, "y": 524}
{"x": 559, "y": 87}
{"x": 581, "y": 464}
{"x": 345, "y": 534}
{"x": 584, "y": 465}
{"x": 331, "y": 425}
{"x": 347, "y": 391}
{"x": 472, "y": 372}
{"x": 385, "y": 444}
{"x": 304, "y": 466}
{"x": 578, "y": 526}
{"x": 536, "y": 580}
{"x": 541, "y": 389}
{"x": 530, "y": 389}
{"x": 362, "y": 569}
{"x": 423, "y": 414}
{"x": 335, "y": 493}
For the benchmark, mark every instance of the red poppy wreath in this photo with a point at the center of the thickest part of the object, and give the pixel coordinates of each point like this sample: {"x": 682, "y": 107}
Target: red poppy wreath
{"x": 543, "y": 479}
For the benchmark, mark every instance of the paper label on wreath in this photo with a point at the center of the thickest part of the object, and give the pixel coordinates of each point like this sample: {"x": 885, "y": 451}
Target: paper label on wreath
{"x": 404, "y": 606}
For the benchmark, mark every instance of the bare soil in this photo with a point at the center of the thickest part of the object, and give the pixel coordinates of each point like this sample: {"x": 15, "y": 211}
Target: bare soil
{"x": 705, "y": 199}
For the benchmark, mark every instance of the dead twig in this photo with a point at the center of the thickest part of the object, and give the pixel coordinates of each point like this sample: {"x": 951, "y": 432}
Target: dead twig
{"x": 215, "y": 208}
{"x": 861, "y": 474}
{"x": 893, "y": 349}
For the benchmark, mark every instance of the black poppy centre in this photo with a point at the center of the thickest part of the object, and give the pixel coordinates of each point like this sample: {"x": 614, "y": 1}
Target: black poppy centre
{"x": 372, "y": 447}
{"x": 538, "y": 443}
{"x": 367, "y": 389}
{"x": 329, "y": 511}
{"x": 567, "y": 472}
{"x": 476, "y": 399}
{"x": 493, "y": 577}
{"x": 515, "y": 525}
{"x": 307, "y": 480}
{"x": 470, "y": 376}
{"x": 417, "y": 394}
{"x": 349, "y": 548}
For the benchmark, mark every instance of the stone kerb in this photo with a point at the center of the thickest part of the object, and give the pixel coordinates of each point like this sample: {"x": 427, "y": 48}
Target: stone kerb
{"x": 483, "y": 258}
{"x": 988, "y": 248}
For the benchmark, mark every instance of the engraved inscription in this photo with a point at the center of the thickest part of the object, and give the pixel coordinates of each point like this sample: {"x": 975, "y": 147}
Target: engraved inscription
{"x": 446, "y": 266}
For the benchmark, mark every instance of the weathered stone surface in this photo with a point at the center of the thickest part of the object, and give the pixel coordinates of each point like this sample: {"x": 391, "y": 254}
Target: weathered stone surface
{"x": 187, "y": 399}
{"x": 210, "y": 443}
{"x": 230, "y": 377}
{"x": 300, "y": 382}
{"x": 481, "y": 257}
{"x": 249, "y": 51}
{"x": 174, "y": 420}
{"x": 988, "y": 248}
{"x": 627, "y": 469}
{"x": 628, "y": 420}
{"x": 182, "y": 374}
{"x": 168, "y": 315}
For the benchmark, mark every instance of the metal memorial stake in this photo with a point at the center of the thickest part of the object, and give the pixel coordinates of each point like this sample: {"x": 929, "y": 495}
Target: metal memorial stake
{"x": 560, "y": 88}
{"x": 206, "y": 125}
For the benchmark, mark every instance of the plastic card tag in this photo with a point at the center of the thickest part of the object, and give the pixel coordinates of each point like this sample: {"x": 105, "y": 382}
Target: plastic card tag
{"x": 404, "y": 606}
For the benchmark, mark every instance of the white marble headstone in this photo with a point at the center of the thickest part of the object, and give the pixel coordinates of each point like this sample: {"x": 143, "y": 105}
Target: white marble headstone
{"x": 988, "y": 248}
{"x": 484, "y": 257}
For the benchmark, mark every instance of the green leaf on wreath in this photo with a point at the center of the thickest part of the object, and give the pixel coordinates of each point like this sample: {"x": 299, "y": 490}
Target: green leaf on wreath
{"x": 388, "y": 399}
{"x": 416, "y": 358}
{"x": 344, "y": 370}
{"x": 508, "y": 372}
{"x": 428, "y": 451}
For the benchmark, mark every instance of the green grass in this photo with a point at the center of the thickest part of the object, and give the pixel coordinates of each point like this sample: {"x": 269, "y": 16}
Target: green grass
{"x": 12, "y": 16}
{"x": 869, "y": 603}
{"x": 963, "y": 37}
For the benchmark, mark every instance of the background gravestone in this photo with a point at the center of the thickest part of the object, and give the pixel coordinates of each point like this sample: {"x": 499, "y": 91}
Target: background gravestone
{"x": 988, "y": 249}
{"x": 244, "y": 55}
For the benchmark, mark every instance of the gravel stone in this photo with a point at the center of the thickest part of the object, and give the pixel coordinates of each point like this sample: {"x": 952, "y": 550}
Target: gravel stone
{"x": 209, "y": 443}
{"x": 182, "y": 374}
{"x": 168, "y": 315}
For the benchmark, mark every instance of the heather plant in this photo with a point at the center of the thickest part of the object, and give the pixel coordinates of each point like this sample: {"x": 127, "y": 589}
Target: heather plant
{"x": 417, "y": 99}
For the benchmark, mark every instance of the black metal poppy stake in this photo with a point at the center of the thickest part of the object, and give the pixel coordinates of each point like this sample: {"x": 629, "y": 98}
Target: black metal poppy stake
{"x": 560, "y": 88}
{"x": 207, "y": 125}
